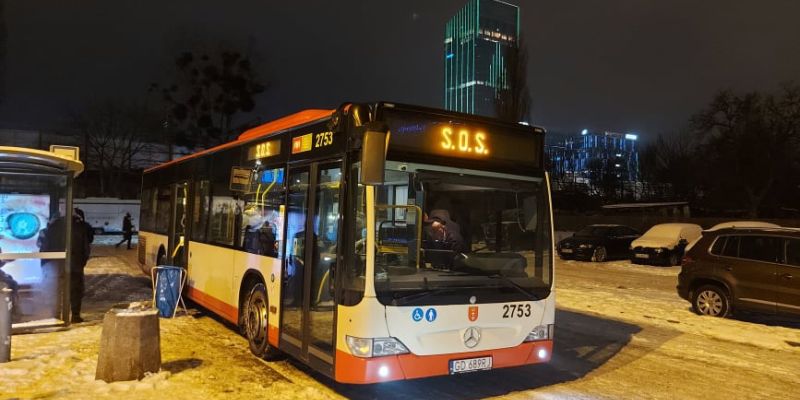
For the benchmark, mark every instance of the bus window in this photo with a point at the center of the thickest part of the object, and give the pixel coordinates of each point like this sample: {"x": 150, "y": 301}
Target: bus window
{"x": 325, "y": 226}
{"x": 224, "y": 211}
{"x": 201, "y": 210}
{"x": 163, "y": 203}
{"x": 492, "y": 238}
{"x": 147, "y": 213}
{"x": 262, "y": 213}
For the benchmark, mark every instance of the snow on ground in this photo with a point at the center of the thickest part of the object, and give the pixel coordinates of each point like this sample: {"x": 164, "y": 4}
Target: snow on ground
{"x": 111, "y": 239}
{"x": 201, "y": 358}
{"x": 636, "y": 301}
{"x": 621, "y": 333}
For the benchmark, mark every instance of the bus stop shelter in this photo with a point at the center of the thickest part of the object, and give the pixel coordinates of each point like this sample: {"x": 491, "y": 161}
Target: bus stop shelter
{"x": 35, "y": 208}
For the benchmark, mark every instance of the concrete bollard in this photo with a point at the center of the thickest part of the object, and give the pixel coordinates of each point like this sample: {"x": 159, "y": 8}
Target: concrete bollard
{"x": 129, "y": 344}
{"x": 5, "y": 324}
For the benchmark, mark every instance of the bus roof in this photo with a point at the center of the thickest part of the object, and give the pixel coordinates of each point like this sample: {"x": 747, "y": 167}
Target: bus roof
{"x": 269, "y": 128}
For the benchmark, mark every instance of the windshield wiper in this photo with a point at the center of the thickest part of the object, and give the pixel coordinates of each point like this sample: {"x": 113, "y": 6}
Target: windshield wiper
{"x": 403, "y": 300}
{"x": 515, "y": 285}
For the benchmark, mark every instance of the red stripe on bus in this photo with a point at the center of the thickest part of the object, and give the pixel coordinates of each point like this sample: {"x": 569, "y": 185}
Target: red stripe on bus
{"x": 273, "y": 333}
{"x": 214, "y": 304}
{"x": 352, "y": 369}
{"x": 280, "y": 124}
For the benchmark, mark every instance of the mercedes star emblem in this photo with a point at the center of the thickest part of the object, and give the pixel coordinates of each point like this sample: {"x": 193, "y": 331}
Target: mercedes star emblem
{"x": 472, "y": 336}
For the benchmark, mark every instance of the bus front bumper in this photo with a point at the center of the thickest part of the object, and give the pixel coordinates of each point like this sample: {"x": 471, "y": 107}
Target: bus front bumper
{"x": 352, "y": 369}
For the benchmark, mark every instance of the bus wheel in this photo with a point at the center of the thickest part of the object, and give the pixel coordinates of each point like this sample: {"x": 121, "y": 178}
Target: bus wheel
{"x": 255, "y": 322}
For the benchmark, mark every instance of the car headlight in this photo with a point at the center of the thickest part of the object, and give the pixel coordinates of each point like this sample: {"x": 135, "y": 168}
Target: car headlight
{"x": 375, "y": 347}
{"x": 659, "y": 250}
{"x": 585, "y": 246}
{"x": 541, "y": 332}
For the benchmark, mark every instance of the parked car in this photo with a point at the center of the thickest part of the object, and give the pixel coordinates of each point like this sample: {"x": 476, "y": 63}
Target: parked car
{"x": 756, "y": 269}
{"x": 743, "y": 224}
{"x": 598, "y": 243}
{"x": 664, "y": 244}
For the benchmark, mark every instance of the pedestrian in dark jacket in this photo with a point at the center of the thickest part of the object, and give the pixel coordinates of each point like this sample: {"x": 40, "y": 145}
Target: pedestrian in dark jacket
{"x": 127, "y": 230}
{"x": 78, "y": 256}
{"x": 89, "y": 232}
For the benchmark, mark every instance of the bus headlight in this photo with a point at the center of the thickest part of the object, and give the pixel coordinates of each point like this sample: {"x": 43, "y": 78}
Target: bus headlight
{"x": 541, "y": 332}
{"x": 377, "y": 347}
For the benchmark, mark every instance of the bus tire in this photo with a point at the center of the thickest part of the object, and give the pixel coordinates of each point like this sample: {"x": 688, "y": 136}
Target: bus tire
{"x": 255, "y": 322}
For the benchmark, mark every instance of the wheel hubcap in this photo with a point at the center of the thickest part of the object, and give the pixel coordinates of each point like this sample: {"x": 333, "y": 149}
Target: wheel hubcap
{"x": 257, "y": 321}
{"x": 709, "y": 303}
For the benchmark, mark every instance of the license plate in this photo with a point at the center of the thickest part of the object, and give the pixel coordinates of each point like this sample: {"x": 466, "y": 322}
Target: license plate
{"x": 470, "y": 364}
{"x": 566, "y": 251}
{"x": 642, "y": 256}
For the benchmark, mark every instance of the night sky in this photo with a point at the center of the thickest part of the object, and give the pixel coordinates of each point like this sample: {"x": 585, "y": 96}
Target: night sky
{"x": 625, "y": 66}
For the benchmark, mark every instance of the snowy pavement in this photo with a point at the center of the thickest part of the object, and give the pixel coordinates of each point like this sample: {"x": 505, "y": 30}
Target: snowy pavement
{"x": 622, "y": 333}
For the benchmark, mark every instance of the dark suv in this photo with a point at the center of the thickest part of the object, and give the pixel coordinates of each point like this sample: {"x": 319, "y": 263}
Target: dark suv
{"x": 756, "y": 269}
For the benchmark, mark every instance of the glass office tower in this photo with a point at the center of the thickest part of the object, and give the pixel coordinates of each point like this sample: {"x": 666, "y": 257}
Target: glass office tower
{"x": 477, "y": 42}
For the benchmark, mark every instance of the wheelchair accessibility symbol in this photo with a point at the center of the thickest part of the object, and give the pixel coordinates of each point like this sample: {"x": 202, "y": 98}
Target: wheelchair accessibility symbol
{"x": 417, "y": 315}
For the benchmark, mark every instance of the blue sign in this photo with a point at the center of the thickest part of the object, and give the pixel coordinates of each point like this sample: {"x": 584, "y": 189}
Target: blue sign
{"x": 430, "y": 315}
{"x": 272, "y": 175}
{"x": 417, "y": 314}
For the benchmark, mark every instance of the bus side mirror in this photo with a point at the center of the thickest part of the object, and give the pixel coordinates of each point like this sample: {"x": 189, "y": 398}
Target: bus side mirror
{"x": 373, "y": 153}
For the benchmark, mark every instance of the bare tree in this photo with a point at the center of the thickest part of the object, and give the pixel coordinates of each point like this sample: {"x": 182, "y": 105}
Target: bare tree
{"x": 114, "y": 134}
{"x": 513, "y": 98}
{"x": 672, "y": 159}
{"x": 752, "y": 142}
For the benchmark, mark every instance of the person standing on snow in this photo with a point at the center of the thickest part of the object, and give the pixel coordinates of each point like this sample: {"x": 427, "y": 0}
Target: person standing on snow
{"x": 127, "y": 230}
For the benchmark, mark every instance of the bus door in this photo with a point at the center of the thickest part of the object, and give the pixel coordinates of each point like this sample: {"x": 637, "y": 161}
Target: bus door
{"x": 308, "y": 320}
{"x": 178, "y": 241}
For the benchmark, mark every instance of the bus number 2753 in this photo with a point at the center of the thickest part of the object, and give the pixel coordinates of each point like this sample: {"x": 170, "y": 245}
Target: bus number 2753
{"x": 516, "y": 310}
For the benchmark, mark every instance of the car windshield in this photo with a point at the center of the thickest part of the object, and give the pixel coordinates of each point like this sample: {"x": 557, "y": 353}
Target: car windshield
{"x": 593, "y": 230}
{"x": 442, "y": 238}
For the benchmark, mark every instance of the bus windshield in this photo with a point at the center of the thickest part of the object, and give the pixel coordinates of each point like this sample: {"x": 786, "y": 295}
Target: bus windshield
{"x": 455, "y": 238}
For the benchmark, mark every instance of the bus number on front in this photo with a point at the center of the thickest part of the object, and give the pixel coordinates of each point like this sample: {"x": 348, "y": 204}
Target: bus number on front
{"x": 323, "y": 139}
{"x": 516, "y": 310}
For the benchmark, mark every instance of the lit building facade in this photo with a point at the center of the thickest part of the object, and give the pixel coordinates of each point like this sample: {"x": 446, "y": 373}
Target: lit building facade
{"x": 477, "y": 42}
{"x": 577, "y": 158}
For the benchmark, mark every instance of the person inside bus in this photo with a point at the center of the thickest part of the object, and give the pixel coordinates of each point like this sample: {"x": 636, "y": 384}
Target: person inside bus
{"x": 442, "y": 233}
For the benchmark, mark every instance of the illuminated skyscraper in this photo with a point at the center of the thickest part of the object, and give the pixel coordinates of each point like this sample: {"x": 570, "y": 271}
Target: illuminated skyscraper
{"x": 477, "y": 42}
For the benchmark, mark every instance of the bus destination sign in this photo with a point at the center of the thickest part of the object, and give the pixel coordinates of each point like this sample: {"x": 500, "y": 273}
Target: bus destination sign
{"x": 264, "y": 150}
{"x": 440, "y": 135}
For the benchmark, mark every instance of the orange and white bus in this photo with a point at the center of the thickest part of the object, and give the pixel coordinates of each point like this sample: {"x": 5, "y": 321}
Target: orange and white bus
{"x": 375, "y": 242}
